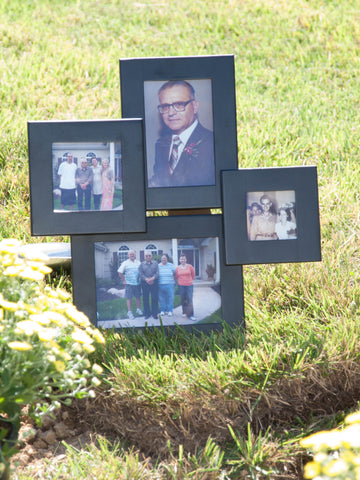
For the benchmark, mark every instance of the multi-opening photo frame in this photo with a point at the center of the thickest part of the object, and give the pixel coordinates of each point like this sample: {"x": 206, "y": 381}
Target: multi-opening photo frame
{"x": 86, "y": 176}
{"x": 271, "y": 215}
{"x": 193, "y": 287}
{"x": 189, "y": 108}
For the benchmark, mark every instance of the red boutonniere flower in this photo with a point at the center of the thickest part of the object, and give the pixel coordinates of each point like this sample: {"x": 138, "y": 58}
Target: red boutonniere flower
{"x": 192, "y": 149}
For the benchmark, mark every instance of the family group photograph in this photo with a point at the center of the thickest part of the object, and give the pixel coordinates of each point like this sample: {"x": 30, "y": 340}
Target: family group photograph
{"x": 86, "y": 177}
{"x": 168, "y": 281}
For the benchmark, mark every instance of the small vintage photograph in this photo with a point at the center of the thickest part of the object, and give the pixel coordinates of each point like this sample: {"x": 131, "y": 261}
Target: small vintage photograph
{"x": 87, "y": 177}
{"x": 179, "y": 133}
{"x": 271, "y": 215}
{"x": 166, "y": 281}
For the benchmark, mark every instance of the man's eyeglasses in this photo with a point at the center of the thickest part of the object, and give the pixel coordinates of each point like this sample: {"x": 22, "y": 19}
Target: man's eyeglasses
{"x": 177, "y": 106}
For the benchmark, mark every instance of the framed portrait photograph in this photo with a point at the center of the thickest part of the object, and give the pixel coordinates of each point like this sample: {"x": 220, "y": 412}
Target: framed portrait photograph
{"x": 189, "y": 108}
{"x": 271, "y": 215}
{"x": 161, "y": 277}
{"x": 86, "y": 176}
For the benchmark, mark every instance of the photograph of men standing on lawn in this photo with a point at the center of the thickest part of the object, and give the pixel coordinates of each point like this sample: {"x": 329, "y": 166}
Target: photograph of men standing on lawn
{"x": 167, "y": 281}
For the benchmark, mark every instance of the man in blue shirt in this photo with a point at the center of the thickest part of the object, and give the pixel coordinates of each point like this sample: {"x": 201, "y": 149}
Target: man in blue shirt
{"x": 129, "y": 274}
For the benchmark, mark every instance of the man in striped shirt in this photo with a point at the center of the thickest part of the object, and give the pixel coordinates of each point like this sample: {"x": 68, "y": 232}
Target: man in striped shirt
{"x": 129, "y": 274}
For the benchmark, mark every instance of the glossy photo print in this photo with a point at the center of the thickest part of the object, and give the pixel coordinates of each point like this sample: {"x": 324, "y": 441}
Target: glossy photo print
{"x": 87, "y": 176}
{"x": 175, "y": 281}
{"x": 271, "y": 215}
{"x": 179, "y": 133}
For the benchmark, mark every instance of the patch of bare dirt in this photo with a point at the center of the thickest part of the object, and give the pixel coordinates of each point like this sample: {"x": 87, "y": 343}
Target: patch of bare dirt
{"x": 190, "y": 422}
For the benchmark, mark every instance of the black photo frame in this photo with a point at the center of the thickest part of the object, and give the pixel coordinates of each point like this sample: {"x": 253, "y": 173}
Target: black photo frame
{"x": 44, "y": 137}
{"x": 218, "y": 72}
{"x": 293, "y": 189}
{"x": 207, "y": 228}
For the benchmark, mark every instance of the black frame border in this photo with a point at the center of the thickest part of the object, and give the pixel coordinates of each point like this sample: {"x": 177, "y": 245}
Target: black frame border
{"x": 220, "y": 69}
{"x": 41, "y": 136}
{"x": 240, "y": 250}
{"x": 231, "y": 278}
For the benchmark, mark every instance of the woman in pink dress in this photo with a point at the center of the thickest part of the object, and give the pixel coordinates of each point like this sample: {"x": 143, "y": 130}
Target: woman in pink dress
{"x": 107, "y": 176}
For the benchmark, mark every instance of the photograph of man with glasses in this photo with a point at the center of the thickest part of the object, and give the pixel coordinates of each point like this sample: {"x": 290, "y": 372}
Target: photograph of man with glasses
{"x": 184, "y": 152}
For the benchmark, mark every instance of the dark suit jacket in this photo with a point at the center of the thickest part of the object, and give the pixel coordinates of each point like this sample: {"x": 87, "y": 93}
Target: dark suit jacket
{"x": 196, "y": 165}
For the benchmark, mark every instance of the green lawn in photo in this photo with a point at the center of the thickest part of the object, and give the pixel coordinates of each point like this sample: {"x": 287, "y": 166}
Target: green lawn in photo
{"x": 116, "y": 309}
{"x": 117, "y": 201}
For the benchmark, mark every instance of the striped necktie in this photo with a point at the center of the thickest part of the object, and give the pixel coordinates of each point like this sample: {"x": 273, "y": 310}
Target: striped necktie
{"x": 174, "y": 157}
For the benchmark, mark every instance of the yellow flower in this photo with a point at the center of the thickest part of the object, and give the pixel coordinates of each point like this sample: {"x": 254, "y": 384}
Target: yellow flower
{"x": 2, "y": 328}
{"x": 29, "y": 308}
{"x": 31, "y": 274}
{"x": 322, "y": 440}
{"x": 59, "y": 365}
{"x": 350, "y": 458}
{"x": 32, "y": 253}
{"x": 97, "y": 369}
{"x": 63, "y": 295}
{"x": 8, "y": 305}
{"x": 95, "y": 382}
{"x": 80, "y": 336}
{"x": 57, "y": 318}
{"x": 47, "y": 334}
{"x": 39, "y": 266}
{"x": 88, "y": 348}
{"x": 57, "y": 294}
{"x": 78, "y": 317}
{"x": 65, "y": 355}
{"x": 7, "y": 260}
{"x": 353, "y": 418}
{"x": 357, "y": 473}
{"x": 21, "y": 346}
{"x": 13, "y": 271}
{"x": 351, "y": 436}
{"x": 335, "y": 468}
{"x": 98, "y": 336}
{"x": 41, "y": 318}
{"x": 320, "y": 457}
{"x": 55, "y": 347}
{"x": 311, "y": 470}
{"x": 28, "y": 327}
{"x": 9, "y": 245}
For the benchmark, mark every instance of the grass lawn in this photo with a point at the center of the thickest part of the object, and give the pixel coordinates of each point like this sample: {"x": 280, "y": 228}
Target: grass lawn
{"x": 229, "y": 405}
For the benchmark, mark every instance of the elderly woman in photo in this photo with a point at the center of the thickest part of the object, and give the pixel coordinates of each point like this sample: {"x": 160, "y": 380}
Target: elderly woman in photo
{"x": 108, "y": 185}
{"x": 286, "y": 226}
{"x": 166, "y": 286}
{"x": 185, "y": 275}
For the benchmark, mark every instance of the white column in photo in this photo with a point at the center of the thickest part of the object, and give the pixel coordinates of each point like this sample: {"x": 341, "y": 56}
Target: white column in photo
{"x": 174, "y": 245}
{"x": 112, "y": 156}
{"x": 217, "y": 272}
